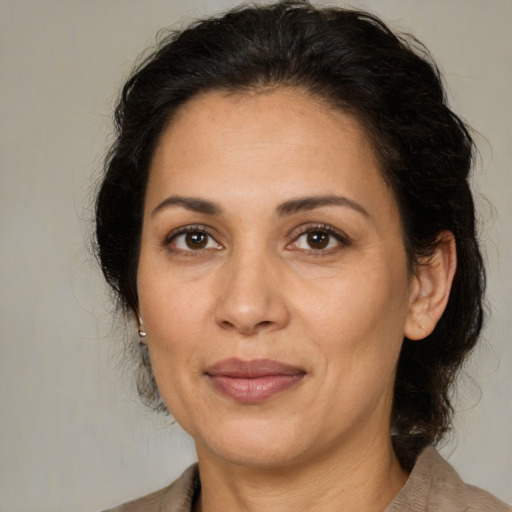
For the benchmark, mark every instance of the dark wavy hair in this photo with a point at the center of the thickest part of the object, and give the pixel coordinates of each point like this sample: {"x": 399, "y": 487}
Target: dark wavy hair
{"x": 354, "y": 62}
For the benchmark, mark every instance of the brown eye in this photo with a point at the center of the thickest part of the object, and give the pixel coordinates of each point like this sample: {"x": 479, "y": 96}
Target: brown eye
{"x": 196, "y": 240}
{"x": 191, "y": 240}
{"x": 318, "y": 239}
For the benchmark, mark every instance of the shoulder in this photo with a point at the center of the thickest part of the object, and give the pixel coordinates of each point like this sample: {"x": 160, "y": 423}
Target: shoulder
{"x": 434, "y": 485}
{"x": 176, "y": 497}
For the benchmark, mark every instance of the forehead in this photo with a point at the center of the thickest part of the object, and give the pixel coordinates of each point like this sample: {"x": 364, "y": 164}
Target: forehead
{"x": 271, "y": 141}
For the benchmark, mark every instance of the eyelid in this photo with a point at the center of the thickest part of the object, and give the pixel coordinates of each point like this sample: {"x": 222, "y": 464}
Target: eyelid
{"x": 339, "y": 235}
{"x": 183, "y": 230}
{"x": 189, "y": 228}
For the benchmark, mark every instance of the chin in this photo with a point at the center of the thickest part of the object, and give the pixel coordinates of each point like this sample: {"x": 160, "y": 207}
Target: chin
{"x": 263, "y": 444}
{"x": 258, "y": 456}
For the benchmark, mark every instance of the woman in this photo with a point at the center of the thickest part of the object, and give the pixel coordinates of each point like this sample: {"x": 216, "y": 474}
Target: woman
{"x": 287, "y": 216}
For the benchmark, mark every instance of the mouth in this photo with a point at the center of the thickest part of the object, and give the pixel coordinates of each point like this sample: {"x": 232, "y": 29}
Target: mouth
{"x": 253, "y": 381}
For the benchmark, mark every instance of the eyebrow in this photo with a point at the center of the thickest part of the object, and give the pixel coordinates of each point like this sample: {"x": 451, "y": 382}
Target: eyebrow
{"x": 194, "y": 204}
{"x": 301, "y": 204}
{"x": 310, "y": 203}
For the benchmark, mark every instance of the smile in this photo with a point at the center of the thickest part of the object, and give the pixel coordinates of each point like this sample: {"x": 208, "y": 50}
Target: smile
{"x": 253, "y": 381}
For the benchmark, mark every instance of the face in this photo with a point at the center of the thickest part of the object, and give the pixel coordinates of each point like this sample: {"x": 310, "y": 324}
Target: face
{"x": 273, "y": 280}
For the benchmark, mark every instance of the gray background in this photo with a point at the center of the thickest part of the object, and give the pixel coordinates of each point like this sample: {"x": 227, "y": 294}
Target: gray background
{"x": 73, "y": 434}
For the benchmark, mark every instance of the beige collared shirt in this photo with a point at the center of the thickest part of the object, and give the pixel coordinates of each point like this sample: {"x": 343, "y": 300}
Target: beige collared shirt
{"x": 433, "y": 486}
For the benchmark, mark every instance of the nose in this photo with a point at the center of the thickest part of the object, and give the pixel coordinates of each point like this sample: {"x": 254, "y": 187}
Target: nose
{"x": 251, "y": 295}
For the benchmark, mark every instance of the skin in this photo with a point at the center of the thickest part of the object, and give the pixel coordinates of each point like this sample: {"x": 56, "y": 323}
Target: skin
{"x": 255, "y": 288}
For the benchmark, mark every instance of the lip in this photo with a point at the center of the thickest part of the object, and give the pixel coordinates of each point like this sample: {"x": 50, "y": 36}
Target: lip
{"x": 253, "y": 381}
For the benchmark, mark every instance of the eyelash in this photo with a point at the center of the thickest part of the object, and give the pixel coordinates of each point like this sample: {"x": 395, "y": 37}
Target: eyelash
{"x": 197, "y": 228}
{"x": 339, "y": 236}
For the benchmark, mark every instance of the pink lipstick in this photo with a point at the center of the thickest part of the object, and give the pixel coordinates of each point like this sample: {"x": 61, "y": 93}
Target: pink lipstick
{"x": 253, "y": 381}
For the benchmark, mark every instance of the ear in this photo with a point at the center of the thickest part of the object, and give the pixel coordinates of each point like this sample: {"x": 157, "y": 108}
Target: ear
{"x": 430, "y": 288}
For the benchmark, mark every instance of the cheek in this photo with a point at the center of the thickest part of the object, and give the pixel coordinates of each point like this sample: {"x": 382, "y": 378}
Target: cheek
{"x": 164, "y": 297}
{"x": 353, "y": 304}
{"x": 166, "y": 319}
{"x": 173, "y": 313}
{"x": 359, "y": 330}
{"x": 175, "y": 337}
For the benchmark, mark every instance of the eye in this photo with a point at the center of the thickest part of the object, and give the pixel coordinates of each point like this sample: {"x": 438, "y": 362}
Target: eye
{"x": 192, "y": 239}
{"x": 318, "y": 238}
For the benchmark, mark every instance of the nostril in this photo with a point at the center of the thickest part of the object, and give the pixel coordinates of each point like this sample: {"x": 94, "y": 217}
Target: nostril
{"x": 264, "y": 323}
{"x": 250, "y": 311}
{"x": 225, "y": 324}
{"x": 246, "y": 329}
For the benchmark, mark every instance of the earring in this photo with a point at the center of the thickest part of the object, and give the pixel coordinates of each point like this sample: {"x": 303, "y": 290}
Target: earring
{"x": 142, "y": 333}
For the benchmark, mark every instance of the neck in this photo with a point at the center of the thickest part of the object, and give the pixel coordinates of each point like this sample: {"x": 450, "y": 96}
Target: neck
{"x": 363, "y": 479}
